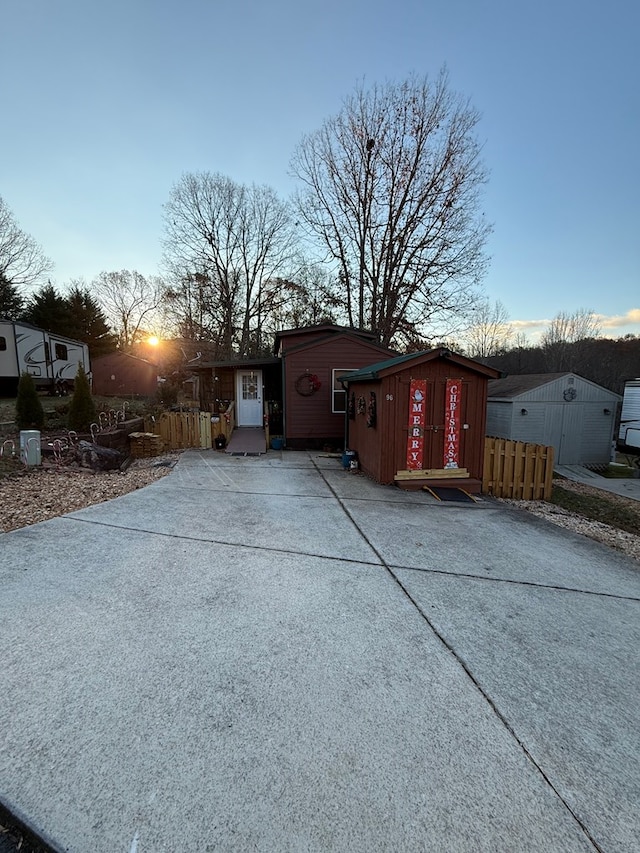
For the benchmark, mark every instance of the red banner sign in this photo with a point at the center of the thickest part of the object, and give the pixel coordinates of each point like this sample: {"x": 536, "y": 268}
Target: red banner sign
{"x": 452, "y": 409}
{"x": 417, "y": 420}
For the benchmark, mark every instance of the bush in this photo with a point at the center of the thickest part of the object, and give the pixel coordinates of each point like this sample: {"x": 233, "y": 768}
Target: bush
{"x": 29, "y": 411}
{"x": 82, "y": 410}
{"x": 167, "y": 395}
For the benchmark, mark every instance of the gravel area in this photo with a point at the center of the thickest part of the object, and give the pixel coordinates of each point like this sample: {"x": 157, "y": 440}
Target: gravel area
{"x": 627, "y": 543}
{"x": 47, "y": 492}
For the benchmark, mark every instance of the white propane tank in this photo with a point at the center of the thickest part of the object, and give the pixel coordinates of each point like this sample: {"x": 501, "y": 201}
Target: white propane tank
{"x": 30, "y": 452}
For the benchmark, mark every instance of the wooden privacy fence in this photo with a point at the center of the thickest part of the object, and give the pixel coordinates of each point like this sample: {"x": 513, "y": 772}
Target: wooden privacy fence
{"x": 180, "y": 430}
{"x": 513, "y": 469}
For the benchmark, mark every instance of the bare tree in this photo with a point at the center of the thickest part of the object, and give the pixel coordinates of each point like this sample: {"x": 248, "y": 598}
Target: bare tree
{"x": 564, "y": 332}
{"x": 568, "y": 328}
{"x": 306, "y": 298}
{"x": 130, "y": 302}
{"x": 230, "y": 240}
{"x": 22, "y": 261}
{"x": 391, "y": 189}
{"x": 490, "y": 331}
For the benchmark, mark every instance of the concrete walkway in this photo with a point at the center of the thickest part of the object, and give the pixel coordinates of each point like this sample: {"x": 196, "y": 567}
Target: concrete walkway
{"x": 270, "y": 653}
{"x": 626, "y": 488}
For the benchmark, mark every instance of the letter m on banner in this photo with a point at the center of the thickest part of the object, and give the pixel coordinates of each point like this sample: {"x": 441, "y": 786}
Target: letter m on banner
{"x": 417, "y": 420}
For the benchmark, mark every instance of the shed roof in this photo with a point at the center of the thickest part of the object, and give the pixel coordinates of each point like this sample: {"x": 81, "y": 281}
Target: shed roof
{"x": 393, "y": 365}
{"x": 520, "y": 383}
{"x": 510, "y": 387}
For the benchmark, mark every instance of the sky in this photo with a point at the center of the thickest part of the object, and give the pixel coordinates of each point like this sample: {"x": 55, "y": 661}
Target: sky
{"x": 105, "y": 105}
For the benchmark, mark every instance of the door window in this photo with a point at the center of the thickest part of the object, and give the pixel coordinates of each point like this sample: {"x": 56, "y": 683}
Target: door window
{"x": 249, "y": 387}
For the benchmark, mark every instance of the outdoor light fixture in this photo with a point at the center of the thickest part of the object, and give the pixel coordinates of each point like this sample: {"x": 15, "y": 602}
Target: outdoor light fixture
{"x": 524, "y": 412}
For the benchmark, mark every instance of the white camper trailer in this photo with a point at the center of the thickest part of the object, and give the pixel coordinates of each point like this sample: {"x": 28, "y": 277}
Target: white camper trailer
{"x": 629, "y": 433}
{"x": 52, "y": 360}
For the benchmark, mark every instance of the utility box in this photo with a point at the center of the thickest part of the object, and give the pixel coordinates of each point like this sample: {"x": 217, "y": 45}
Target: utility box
{"x": 30, "y": 451}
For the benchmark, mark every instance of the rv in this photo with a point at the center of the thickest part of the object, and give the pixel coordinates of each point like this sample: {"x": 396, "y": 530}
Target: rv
{"x": 629, "y": 433}
{"x": 52, "y": 360}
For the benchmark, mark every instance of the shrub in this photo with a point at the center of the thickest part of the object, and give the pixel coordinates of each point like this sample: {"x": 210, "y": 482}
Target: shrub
{"x": 29, "y": 411}
{"x": 82, "y": 410}
{"x": 167, "y": 395}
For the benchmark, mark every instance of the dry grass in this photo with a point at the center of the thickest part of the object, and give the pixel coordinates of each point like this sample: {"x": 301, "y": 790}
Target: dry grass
{"x": 598, "y": 505}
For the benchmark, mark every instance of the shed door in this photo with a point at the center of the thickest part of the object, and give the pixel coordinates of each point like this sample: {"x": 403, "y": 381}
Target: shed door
{"x": 435, "y": 428}
{"x": 564, "y": 432}
{"x": 249, "y": 398}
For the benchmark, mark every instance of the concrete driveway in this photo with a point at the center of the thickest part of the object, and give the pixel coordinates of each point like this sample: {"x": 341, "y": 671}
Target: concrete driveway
{"x": 275, "y": 654}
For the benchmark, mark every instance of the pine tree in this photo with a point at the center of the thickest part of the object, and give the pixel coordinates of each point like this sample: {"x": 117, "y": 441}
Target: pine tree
{"x": 29, "y": 411}
{"x": 47, "y": 310}
{"x": 86, "y": 322}
{"x": 82, "y": 410}
{"x": 11, "y": 300}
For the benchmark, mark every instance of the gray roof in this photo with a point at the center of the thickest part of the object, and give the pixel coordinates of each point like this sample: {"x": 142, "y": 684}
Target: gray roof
{"x": 520, "y": 383}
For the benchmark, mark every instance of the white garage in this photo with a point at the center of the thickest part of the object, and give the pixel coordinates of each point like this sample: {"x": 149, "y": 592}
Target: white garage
{"x": 575, "y": 416}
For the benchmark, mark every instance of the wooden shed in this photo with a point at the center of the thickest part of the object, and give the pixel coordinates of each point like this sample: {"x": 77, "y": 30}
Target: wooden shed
{"x": 564, "y": 410}
{"x": 419, "y": 420}
{"x": 121, "y": 374}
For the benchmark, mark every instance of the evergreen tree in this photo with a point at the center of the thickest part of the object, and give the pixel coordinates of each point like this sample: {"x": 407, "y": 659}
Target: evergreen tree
{"x": 29, "y": 411}
{"x": 86, "y": 321}
{"x": 47, "y": 310}
{"x": 11, "y": 300}
{"x": 82, "y": 410}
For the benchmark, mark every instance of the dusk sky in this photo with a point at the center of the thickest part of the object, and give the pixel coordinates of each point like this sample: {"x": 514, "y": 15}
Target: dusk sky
{"x": 106, "y": 105}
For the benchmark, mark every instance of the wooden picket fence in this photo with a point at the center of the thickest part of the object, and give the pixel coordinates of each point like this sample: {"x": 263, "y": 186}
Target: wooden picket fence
{"x": 513, "y": 469}
{"x": 180, "y": 430}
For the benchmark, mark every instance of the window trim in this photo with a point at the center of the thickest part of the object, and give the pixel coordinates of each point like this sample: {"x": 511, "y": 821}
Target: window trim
{"x": 337, "y": 388}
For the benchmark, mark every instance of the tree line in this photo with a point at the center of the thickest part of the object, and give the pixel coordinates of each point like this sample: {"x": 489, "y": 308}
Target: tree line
{"x": 605, "y": 361}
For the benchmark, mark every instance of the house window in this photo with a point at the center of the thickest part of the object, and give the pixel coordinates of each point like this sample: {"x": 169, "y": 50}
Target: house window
{"x": 3, "y": 344}
{"x": 61, "y": 352}
{"x": 339, "y": 395}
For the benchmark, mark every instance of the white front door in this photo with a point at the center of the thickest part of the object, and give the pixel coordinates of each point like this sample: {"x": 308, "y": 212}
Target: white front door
{"x": 249, "y": 398}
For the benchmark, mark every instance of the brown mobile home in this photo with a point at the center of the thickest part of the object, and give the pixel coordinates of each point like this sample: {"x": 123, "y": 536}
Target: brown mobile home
{"x": 314, "y": 359}
{"x": 120, "y": 373}
{"x": 419, "y": 419}
{"x": 298, "y": 389}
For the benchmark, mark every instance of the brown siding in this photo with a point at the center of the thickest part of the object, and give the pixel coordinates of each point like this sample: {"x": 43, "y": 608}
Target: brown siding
{"x": 309, "y": 420}
{"x": 382, "y": 450}
{"x": 291, "y": 341}
{"x": 119, "y": 374}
